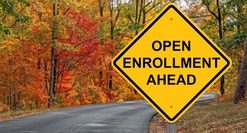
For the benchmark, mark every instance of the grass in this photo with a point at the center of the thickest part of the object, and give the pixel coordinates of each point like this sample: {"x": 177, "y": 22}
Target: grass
{"x": 213, "y": 117}
{"x": 16, "y": 114}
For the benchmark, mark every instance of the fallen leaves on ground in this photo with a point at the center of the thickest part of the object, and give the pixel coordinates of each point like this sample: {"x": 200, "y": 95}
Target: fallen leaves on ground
{"x": 214, "y": 117}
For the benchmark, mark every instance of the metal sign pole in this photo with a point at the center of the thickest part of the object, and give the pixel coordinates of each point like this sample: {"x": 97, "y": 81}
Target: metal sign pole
{"x": 171, "y": 127}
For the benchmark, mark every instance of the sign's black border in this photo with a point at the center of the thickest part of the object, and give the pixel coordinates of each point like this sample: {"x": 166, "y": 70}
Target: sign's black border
{"x": 141, "y": 34}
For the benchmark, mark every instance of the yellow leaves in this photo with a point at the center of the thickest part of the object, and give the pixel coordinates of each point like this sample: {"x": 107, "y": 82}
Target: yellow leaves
{"x": 4, "y": 107}
{"x": 2, "y": 47}
{"x": 8, "y": 42}
{"x": 39, "y": 29}
{"x": 77, "y": 3}
{"x": 125, "y": 40}
{"x": 226, "y": 97}
{"x": 102, "y": 97}
{"x": 208, "y": 17}
{"x": 72, "y": 93}
{"x": 65, "y": 47}
{"x": 42, "y": 6}
{"x": 107, "y": 35}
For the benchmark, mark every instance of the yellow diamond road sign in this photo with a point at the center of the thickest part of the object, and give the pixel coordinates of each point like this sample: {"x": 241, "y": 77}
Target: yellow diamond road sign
{"x": 171, "y": 63}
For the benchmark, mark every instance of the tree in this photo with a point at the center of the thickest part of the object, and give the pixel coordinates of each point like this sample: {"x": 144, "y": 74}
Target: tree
{"x": 7, "y": 9}
{"x": 242, "y": 79}
{"x": 14, "y": 76}
{"x": 53, "y": 56}
{"x": 219, "y": 18}
{"x": 74, "y": 54}
{"x": 237, "y": 22}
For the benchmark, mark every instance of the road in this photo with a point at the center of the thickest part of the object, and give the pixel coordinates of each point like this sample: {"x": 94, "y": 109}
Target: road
{"x": 124, "y": 117}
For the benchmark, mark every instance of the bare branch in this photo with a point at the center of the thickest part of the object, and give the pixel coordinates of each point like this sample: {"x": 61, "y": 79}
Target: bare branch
{"x": 129, "y": 17}
{"x": 66, "y": 11}
{"x": 147, "y": 4}
{"x": 153, "y": 7}
{"x": 118, "y": 11}
{"x": 199, "y": 16}
{"x": 208, "y": 7}
{"x": 90, "y": 39}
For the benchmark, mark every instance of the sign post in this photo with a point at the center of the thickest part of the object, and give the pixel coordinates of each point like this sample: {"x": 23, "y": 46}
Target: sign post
{"x": 171, "y": 127}
{"x": 171, "y": 63}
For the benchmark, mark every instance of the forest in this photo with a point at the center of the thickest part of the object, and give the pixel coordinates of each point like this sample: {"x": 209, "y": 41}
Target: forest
{"x": 58, "y": 53}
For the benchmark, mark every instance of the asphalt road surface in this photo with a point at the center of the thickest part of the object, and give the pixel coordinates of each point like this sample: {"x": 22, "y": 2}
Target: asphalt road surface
{"x": 125, "y": 117}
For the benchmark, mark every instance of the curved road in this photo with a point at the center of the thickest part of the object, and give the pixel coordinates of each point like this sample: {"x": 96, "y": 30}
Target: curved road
{"x": 122, "y": 117}
{"x": 125, "y": 117}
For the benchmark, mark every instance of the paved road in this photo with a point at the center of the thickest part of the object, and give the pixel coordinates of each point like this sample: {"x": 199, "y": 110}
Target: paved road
{"x": 207, "y": 96}
{"x": 125, "y": 117}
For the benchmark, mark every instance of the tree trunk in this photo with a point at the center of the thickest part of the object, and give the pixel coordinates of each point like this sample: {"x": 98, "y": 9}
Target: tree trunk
{"x": 52, "y": 75}
{"x": 53, "y": 56}
{"x": 136, "y": 16}
{"x": 46, "y": 76}
{"x": 113, "y": 5}
{"x": 219, "y": 19}
{"x": 222, "y": 80}
{"x": 55, "y": 75}
{"x": 242, "y": 79}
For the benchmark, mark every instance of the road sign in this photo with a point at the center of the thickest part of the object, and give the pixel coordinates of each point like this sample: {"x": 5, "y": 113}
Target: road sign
{"x": 171, "y": 63}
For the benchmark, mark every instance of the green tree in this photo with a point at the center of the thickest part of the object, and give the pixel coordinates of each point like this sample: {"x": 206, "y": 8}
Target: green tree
{"x": 8, "y": 10}
{"x": 237, "y": 22}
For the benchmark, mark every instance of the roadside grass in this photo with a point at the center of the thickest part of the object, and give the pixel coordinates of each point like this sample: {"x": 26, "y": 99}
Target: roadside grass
{"x": 16, "y": 114}
{"x": 211, "y": 117}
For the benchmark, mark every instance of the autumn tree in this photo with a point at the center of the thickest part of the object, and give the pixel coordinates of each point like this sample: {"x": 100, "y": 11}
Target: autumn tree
{"x": 216, "y": 10}
{"x": 13, "y": 74}
{"x": 59, "y": 53}
{"x": 141, "y": 11}
{"x": 54, "y": 35}
{"x": 237, "y": 24}
{"x": 8, "y": 10}
{"x": 242, "y": 79}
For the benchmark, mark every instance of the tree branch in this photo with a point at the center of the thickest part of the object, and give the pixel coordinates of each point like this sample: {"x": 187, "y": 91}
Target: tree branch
{"x": 129, "y": 17}
{"x": 66, "y": 11}
{"x": 208, "y": 7}
{"x": 153, "y": 7}
{"x": 77, "y": 45}
{"x": 16, "y": 20}
{"x": 118, "y": 11}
